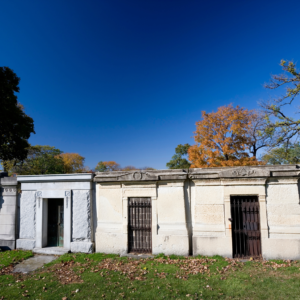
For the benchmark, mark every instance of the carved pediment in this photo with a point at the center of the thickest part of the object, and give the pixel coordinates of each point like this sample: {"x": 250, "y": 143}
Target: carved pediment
{"x": 128, "y": 176}
{"x": 245, "y": 172}
{"x": 137, "y": 176}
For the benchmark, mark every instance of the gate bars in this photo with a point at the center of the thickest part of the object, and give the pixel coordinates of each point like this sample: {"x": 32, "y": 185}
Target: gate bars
{"x": 139, "y": 225}
{"x": 245, "y": 220}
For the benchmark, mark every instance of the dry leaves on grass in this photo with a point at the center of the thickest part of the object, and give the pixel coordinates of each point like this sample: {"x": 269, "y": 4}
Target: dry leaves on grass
{"x": 190, "y": 266}
{"x": 65, "y": 272}
{"x": 131, "y": 268}
{"x": 7, "y": 270}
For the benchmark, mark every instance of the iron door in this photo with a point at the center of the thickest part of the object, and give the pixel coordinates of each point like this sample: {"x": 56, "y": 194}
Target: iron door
{"x": 245, "y": 218}
{"x": 139, "y": 225}
{"x": 55, "y": 222}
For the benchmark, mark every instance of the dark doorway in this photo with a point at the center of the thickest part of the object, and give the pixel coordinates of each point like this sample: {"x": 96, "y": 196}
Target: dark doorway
{"x": 56, "y": 222}
{"x": 246, "y": 241}
{"x": 139, "y": 225}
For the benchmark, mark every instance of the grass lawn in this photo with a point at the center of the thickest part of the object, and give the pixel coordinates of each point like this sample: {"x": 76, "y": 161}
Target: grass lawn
{"x": 100, "y": 276}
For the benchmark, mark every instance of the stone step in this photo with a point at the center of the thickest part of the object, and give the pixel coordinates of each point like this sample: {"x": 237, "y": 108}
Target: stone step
{"x": 51, "y": 250}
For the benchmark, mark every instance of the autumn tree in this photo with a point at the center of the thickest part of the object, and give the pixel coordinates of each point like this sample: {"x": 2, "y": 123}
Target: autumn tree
{"x": 40, "y": 160}
{"x": 222, "y": 139}
{"x": 283, "y": 127}
{"x": 178, "y": 160}
{"x": 73, "y": 163}
{"x": 129, "y": 168}
{"x": 103, "y": 166}
{"x": 15, "y": 126}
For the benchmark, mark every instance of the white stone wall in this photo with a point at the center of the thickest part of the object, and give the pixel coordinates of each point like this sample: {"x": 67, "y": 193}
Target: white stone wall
{"x": 169, "y": 226}
{"x": 109, "y": 235}
{"x": 81, "y": 215}
{"x": 27, "y": 211}
{"x": 283, "y": 210}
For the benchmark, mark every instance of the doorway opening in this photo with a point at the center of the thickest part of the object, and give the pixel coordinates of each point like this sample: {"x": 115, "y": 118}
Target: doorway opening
{"x": 245, "y": 218}
{"x": 139, "y": 225}
{"x": 56, "y": 222}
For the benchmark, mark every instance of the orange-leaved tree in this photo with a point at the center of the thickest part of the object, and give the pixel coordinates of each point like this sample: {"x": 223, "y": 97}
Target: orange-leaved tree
{"x": 73, "y": 163}
{"x": 223, "y": 138}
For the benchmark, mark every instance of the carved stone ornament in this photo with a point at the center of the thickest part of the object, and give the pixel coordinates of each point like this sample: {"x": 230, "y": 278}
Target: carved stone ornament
{"x": 243, "y": 172}
{"x": 137, "y": 176}
{"x": 9, "y": 190}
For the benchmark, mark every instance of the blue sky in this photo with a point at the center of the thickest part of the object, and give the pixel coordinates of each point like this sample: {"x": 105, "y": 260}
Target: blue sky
{"x": 127, "y": 80}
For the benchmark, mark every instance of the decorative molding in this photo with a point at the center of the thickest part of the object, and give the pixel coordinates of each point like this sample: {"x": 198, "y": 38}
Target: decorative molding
{"x": 67, "y": 195}
{"x": 39, "y": 195}
{"x": 243, "y": 172}
{"x": 9, "y": 191}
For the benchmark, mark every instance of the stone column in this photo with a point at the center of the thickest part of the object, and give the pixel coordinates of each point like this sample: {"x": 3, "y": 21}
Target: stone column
{"x": 8, "y": 205}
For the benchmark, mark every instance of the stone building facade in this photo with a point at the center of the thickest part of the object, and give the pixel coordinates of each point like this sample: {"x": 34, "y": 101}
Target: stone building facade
{"x": 243, "y": 211}
{"x": 8, "y": 211}
{"x": 56, "y": 210}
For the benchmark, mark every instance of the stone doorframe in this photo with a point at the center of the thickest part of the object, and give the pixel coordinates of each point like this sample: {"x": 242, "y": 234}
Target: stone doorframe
{"x": 246, "y": 187}
{"x": 42, "y": 198}
{"x": 144, "y": 189}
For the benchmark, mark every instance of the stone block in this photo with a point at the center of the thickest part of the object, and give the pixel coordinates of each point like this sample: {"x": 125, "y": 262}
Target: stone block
{"x": 81, "y": 225}
{"x": 212, "y": 246}
{"x": 281, "y": 249}
{"x": 7, "y": 219}
{"x": 85, "y": 247}
{"x": 25, "y": 244}
{"x": 27, "y": 215}
{"x": 283, "y": 194}
{"x": 209, "y": 209}
{"x": 217, "y": 218}
{"x": 284, "y": 220}
{"x": 209, "y": 195}
{"x": 8, "y": 209}
{"x": 283, "y": 209}
{"x": 7, "y": 244}
{"x": 110, "y": 243}
{"x": 172, "y": 244}
{"x": 8, "y": 229}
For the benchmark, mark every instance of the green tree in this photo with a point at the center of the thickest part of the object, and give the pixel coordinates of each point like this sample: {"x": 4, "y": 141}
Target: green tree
{"x": 40, "y": 160}
{"x": 101, "y": 167}
{"x": 177, "y": 161}
{"x": 286, "y": 154}
{"x": 15, "y": 125}
{"x": 281, "y": 126}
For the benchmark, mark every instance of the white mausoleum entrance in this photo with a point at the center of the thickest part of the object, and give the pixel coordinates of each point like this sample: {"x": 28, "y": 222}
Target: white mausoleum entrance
{"x": 56, "y": 211}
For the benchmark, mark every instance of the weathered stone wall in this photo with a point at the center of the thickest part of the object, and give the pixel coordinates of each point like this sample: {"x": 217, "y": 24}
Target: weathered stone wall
{"x": 191, "y": 209}
{"x": 8, "y": 208}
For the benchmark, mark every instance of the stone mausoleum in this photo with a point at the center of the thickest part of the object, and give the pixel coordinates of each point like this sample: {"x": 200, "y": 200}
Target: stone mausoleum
{"x": 233, "y": 212}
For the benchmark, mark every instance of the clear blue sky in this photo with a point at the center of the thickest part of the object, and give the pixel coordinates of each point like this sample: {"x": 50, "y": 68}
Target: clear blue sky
{"x": 127, "y": 80}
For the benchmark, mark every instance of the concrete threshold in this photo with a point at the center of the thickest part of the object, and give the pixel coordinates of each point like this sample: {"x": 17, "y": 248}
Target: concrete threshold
{"x": 33, "y": 263}
{"x": 51, "y": 250}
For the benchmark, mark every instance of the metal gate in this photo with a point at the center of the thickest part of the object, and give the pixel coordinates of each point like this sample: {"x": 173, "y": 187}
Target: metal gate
{"x": 245, "y": 226}
{"x": 139, "y": 225}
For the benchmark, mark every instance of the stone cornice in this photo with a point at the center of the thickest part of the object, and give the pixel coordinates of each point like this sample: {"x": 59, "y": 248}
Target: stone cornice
{"x": 228, "y": 173}
{"x": 55, "y": 177}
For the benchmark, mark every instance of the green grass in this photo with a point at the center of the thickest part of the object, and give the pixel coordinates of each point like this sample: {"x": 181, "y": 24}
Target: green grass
{"x": 12, "y": 257}
{"x": 100, "y": 276}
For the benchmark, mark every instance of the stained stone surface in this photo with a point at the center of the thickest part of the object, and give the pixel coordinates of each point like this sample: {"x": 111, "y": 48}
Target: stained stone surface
{"x": 81, "y": 225}
{"x": 28, "y": 220}
{"x": 33, "y": 263}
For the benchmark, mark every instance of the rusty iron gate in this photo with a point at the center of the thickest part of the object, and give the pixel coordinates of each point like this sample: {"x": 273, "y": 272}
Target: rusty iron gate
{"x": 245, "y": 220}
{"x": 139, "y": 225}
